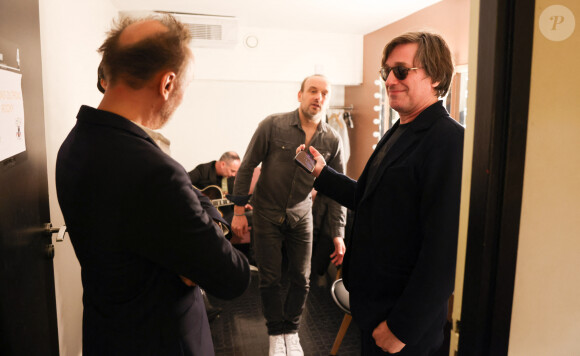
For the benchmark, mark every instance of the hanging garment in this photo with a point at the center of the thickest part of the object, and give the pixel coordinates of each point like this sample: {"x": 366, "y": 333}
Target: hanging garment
{"x": 336, "y": 122}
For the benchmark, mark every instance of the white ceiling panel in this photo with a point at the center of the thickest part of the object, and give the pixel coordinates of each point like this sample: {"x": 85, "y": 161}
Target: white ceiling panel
{"x": 336, "y": 16}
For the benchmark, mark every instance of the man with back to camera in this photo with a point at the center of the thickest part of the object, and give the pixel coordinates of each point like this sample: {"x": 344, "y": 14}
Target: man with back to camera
{"x": 400, "y": 263}
{"x": 143, "y": 236}
{"x": 283, "y": 208}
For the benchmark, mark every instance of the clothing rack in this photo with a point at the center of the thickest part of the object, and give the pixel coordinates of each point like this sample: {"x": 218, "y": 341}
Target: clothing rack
{"x": 346, "y": 115}
{"x": 348, "y": 108}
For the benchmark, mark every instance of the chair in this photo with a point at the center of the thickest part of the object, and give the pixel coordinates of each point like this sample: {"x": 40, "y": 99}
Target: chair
{"x": 340, "y": 296}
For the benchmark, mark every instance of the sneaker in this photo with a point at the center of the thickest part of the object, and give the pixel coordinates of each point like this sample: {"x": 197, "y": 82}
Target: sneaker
{"x": 277, "y": 345}
{"x": 293, "y": 347}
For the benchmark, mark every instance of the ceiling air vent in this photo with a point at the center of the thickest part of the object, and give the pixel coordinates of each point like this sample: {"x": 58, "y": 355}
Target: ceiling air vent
{"x": 209, "y": 30}
{"x": 206, "y": 30}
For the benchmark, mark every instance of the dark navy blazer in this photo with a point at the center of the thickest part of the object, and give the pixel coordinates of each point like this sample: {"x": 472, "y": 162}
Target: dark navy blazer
{"x": 137, "y": 225}
{"x": 400, "y": 263}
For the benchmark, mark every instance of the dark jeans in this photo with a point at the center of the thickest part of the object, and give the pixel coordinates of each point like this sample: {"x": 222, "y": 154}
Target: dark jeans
{"x": 283, "y": 313}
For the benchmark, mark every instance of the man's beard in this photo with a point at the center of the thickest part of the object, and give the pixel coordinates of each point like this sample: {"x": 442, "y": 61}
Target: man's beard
{"x": 169, "y": 108}
{"x": 312, "y": 115}
{"x": 166, "y": 112}
{"x": 316, "y": 117}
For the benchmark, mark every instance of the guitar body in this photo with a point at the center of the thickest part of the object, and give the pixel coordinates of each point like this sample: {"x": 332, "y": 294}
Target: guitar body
{"x": 212, "y": 192}
{"x": 215, "y": 194}
{"x": 218, "y": 200}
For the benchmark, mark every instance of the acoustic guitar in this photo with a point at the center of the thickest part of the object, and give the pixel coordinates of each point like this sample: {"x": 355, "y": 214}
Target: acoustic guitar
{"x": 215, "y": 195}
{"x": 218, "y": 199}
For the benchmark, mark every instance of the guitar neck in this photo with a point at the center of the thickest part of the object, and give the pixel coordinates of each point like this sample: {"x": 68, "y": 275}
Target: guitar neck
{"x": 221, "y": 202}
{"x": 215, "y": 195}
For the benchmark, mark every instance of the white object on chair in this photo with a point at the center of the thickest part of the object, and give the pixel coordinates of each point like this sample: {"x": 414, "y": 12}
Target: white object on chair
{"x": 340, "y": 295}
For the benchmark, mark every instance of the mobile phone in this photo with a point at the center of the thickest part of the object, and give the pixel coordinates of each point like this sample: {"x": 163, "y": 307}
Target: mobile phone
{"x": 305, "y": 160}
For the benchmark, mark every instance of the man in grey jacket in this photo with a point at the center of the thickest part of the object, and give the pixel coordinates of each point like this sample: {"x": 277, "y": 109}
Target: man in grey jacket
{"x": 282, "y": 220}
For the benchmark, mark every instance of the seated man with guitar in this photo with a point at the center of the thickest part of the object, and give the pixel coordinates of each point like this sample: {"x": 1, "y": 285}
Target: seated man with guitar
{"x": 214, "y": 179}
{"x": 220, "y": 173}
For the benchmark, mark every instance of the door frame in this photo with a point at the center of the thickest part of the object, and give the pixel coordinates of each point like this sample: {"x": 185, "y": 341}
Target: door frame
{"x": 28, "y": 315}
{"x": 501, "y": 115}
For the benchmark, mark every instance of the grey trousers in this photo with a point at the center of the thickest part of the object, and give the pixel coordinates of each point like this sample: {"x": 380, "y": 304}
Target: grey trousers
{"x": 283, "y": 312}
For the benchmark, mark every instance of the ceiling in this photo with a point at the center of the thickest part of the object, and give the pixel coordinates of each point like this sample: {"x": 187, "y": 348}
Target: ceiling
{"x": 335, "y": 16}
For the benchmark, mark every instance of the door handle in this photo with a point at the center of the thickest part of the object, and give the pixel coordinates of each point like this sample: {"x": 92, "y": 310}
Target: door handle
{"x": 49, "y": 230}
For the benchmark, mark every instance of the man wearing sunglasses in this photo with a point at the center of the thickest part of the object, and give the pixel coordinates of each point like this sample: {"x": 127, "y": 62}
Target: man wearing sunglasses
{"x": 400, "y": 263}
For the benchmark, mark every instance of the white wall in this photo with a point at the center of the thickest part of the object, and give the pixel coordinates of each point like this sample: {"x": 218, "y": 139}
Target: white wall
{"x": 283, "y": 55}
{"x": 546, "y": 308}
{"x": 70, "y": 33}
{"x": 216, "y": 115}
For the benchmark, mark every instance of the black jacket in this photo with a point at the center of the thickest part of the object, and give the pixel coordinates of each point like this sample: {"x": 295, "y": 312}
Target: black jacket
{"x": 136, "y": 225}
{"x": 205, "y": 174}
{"x": 400, "y": 263}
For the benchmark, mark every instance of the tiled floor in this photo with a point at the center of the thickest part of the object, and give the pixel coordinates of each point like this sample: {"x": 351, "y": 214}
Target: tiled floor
{"x": 240, "y": 330}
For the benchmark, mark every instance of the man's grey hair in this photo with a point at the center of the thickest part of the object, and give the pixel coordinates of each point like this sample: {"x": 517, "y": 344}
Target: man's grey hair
{"x": 229, "y": 156}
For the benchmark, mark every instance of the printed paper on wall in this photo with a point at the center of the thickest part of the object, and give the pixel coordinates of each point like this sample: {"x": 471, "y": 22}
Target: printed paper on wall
{"x": 11, "y": 115}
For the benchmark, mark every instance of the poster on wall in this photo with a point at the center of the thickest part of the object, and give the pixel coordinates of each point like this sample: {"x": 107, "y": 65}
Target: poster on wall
{"x": 11, "y": 115}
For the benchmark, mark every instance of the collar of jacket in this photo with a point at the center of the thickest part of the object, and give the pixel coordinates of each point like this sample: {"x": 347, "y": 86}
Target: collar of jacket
{"x": 107, "y": 118}
{"x": 422, "y": 122}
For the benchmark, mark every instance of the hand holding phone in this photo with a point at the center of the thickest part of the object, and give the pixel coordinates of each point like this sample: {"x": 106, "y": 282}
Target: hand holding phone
{"x": 305, "y": 161}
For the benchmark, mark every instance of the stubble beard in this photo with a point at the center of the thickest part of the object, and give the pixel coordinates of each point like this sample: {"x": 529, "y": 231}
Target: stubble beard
{"x": 169, "y": 108}
{"x": 313, "y": 117}
{"x": 165, "y": 114}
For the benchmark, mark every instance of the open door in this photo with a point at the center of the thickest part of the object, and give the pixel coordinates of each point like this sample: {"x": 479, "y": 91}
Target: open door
{"x": 490, "y": 229}
{"x": 28, "y": 323}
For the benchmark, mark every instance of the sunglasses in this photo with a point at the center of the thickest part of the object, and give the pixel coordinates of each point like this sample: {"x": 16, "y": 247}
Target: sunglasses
{"x": 400, "y": 72}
